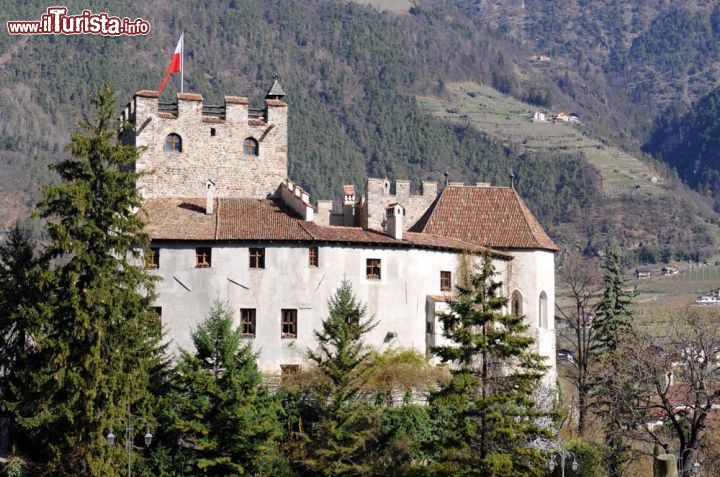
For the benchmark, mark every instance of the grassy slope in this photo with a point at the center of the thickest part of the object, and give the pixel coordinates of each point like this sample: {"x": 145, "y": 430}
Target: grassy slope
{"x": 629, "y": 184}
{"x": 510, "y": 120}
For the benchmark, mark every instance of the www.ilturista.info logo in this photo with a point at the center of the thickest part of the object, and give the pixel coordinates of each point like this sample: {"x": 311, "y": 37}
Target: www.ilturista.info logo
{"x": 56, "y": 21}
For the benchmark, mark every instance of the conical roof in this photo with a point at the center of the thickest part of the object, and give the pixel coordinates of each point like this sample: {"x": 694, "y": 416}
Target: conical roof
{"x": 276, "y": 91}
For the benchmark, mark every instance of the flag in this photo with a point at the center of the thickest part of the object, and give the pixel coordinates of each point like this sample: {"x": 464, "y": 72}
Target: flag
{"x": 176, "y": 64}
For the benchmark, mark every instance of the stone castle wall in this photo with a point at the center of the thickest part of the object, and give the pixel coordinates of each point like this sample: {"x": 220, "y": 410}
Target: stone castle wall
{"x": 378, "y": 198}
{"x": 218, "y": 157}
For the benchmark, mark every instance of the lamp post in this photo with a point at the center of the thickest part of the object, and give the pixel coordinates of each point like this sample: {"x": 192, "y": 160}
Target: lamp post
{"x": 563, "y": 454}
{"x": 130, "y": 422}
{"x": 681, "y": 463}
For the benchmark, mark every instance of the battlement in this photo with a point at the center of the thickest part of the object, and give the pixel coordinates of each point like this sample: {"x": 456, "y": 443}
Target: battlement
{"x": 378, "y": 198}
{"x": 233, "y": 109}
{"x": 187, "y": 142}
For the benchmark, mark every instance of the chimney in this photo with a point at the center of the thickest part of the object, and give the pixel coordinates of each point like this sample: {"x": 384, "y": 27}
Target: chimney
{"x": 394, "y": 214}
{"x": 210, "y": 197}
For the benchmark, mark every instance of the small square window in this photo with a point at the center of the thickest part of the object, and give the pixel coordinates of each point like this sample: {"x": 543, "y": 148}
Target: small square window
{"x": 152, "y": 259}
{"x": 203, "y": 257}
{"x": 247, "y": 322}
{"x": 313, "y": 257}
{"x": 445, "y": 281}
{"x": 257, "y": 258}
{"x": 373, "y": 269}
{"x": 289, "y": 323}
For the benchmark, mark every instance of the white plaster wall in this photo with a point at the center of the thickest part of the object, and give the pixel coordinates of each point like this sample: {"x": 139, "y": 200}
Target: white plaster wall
{"x": 397, "y": 301}
{"x": 532, "y": 272}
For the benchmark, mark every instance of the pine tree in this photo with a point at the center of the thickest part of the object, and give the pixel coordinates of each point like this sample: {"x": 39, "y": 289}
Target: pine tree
{"x": 486, "y": 416}
{"x": 340, "y": 426}
{"x": 613, "y": 315}
{"x": 98, "y": 340}
{"x": 613, "y": 320}
{"x": 226, "y": 421}
{"x": 20, "y": 277}
{"x": 20, "y": 294}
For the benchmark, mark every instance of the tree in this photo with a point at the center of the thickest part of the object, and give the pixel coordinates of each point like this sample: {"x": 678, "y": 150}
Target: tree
{"x": 613, "y": 324}
{"x": 581, "y": 277}
{"x": 486, "y": 415}
{"x": 340, "y": 426}
{"x": 97, "y": 342}
{"x": 225, "y": 420}
{"x": 20, "y": 277}
{"x": 671, "y": 376}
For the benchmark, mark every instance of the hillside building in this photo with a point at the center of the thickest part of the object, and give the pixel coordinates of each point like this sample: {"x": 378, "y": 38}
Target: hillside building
{"x": 227, "y": 223}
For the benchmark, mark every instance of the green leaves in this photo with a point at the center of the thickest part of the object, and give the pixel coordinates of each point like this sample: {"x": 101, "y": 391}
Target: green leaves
{"x": 486, "y": 417}
{"x": 225, "y": 421}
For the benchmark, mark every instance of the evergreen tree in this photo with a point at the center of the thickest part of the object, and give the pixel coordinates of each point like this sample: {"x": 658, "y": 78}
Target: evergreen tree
{"x": 613, "y": 321}
{"x": 224, "y": 419}
{"x": 613, "y": 315}
{"x": 340, "y": 425}
{"x": 97, "y": 341}
{"x": 486, "y": 416}
{"x": 20, "y": 277}
{"x": 20, "y": 293}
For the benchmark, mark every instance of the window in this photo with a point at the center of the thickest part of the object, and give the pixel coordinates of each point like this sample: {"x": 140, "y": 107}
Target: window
{"x": 542, "y": 311}
{"x": 313, "y": 256}
{"x": 289, "y": 323}
{"x": 203, "y": 257}
{"x": 373, "y": 268}
{"x": 516, "y": 303}
{"x": 173, "y": 143}
{"x": 429, "y": 327}
{"x": 213, "y": 132}
{"x": 152, "y": 259}
{"x": 257, "y": 258}
{"x": 157, "y": 310}
{"x": 445, "y": 281}
{"x": 247, "y": 322}
{"x": 250, "y": 147}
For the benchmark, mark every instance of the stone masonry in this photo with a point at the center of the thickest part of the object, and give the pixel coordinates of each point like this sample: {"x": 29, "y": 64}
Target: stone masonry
{"x": 378, "y": 198}
{"x": 212, "y": 146}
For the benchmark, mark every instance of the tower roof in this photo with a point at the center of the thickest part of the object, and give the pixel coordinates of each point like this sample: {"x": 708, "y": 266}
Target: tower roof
{"x": 493, "y": 217}
{"x": 276, "y": 91}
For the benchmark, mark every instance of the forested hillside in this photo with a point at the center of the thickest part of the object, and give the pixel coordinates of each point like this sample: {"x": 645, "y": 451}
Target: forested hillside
{"x": 351, "y": 73}
{"x": 659, "y": 52}
{"x": 691, "y": 143}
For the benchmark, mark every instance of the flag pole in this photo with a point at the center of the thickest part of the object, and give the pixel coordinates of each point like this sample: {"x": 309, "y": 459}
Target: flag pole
{"x": 182, "y": 61}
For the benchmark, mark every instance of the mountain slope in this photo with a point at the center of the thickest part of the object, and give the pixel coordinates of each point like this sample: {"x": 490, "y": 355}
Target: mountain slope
{"x": 352, "y": 75}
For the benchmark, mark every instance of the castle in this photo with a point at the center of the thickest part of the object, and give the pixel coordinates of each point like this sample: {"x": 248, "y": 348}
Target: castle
{"x": 227, "y": 223}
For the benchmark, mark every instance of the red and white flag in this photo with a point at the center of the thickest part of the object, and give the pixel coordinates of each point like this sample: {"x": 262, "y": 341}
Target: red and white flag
{"x": 176, "y": 64}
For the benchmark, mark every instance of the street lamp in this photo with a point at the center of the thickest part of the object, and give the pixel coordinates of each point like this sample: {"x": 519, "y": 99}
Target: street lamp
{"x": 563, "y": 457}
{"x": 130, "y": 422}
{"x": 681, "y": 463}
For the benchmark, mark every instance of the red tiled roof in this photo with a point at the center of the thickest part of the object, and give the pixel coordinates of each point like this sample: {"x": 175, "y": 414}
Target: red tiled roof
{"x": 269, "y": 220}
{"x": 348, "y": 189}
{"x": 494, "y": 217}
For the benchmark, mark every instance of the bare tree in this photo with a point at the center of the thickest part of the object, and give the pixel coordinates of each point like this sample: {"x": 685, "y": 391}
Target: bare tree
{"x": 582, "y": 278}
{"x": 666, "y": 385}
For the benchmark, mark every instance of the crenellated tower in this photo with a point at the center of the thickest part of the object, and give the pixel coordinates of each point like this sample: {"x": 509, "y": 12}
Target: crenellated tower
{"x": 243, "y": 151}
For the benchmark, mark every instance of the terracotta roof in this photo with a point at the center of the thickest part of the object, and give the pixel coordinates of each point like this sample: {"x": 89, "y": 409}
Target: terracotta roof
{"x": 494, "y": 217}
{"x": 348, "y": 189}
{"x": 269, "y": 220}
{"x": 147, "y": 93}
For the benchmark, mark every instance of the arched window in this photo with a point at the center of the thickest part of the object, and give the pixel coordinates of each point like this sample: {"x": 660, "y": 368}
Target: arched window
{"x": 516, "y": 304}
{"x": 542, "y": 311}
{"x": 173, "y": 143}
{"x": 250, "y": 147}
